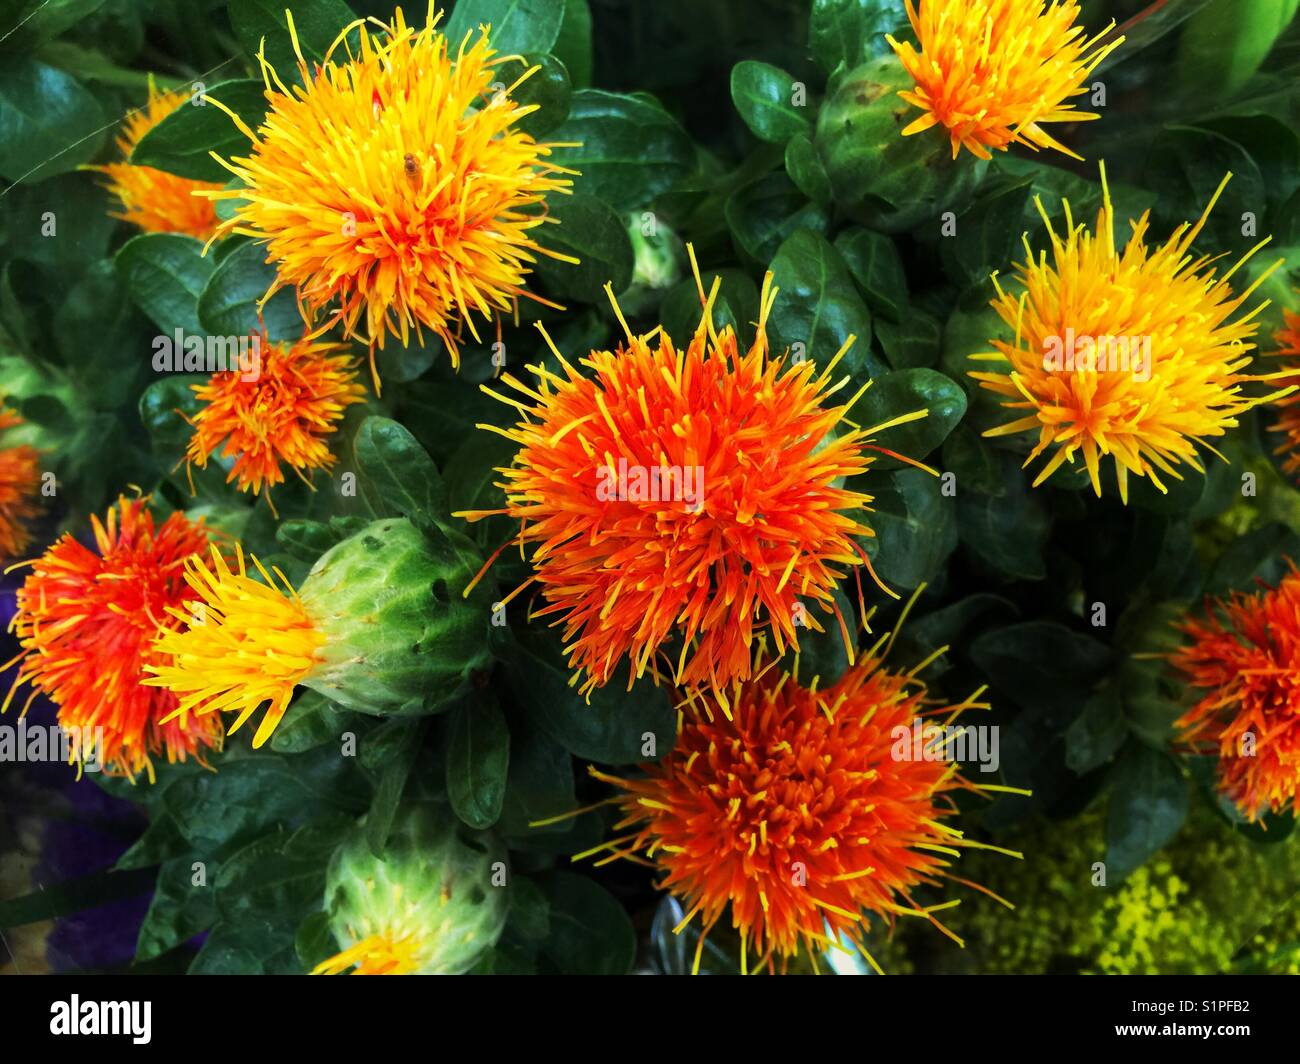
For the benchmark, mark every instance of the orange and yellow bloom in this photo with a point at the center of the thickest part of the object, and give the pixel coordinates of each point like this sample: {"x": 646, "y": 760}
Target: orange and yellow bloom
{"x": 394, "y": 186}
{"x": 1136, "y": 352}
{"x": 281, "y": 413}
{"x": 156, "y": 201}
{"x": 800, "y": 809}
{"x": 87, "y": 620}
{"x": 692, "y": 493}
{"x": 19, "y": 479}
{"x": 1243, "y": 661}
{"x": 240, "y": 644}
{"x": 993, "y": 72}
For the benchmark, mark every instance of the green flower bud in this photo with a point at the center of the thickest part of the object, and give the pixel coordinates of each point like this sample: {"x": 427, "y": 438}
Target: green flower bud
{"x": 399, "y": 636}
{"x": 432, "y": 905}
{"x": 884, "y": 179}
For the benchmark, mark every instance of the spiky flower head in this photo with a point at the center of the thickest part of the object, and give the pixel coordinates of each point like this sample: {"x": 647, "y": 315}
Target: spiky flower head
{"x": 156, "y": 201}
{"x": 1135, "y": 352}
{"x": 87, "y": 620}
{"x": 433, "y": 904}
{"x": 374, "y": 628}
{"x": 1242, "y": 658}
{"x": 19, "y": 479}
{"x": 278, "y": 411}
{"x": 805, "y": 811}
{"x": 395, "y": 185}
{"x": 993, "y": 72}
{"x": 690, "y": 493}
{"x": 1288, "y": 407}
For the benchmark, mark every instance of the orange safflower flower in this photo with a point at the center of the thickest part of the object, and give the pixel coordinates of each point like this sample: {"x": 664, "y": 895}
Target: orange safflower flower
{"x": 156, "y": 201}
{"x": 279, "y": 413}
{"x": 691, "y": 492}
{"x": 19, "y": 477}
{"x": 991, "y": 72}
{"x": 807, "y": 811}
{"x": 395, "y": 184}
{"x": 87, "y": 619}
{"x": 1243, "y": 659}
{"x": 1137, "y": 352}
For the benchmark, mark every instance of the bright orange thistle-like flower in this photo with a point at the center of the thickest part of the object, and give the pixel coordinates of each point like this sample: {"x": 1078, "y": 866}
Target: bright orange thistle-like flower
{"x": 19, "y": 479}
{"x": 690, "y": 492}
{"x": 1134, "y": 352}
{"x": 1288, "y": 408}
{"x": 1243, "y": 660}
{"x": 992, "y": 72}
{"x": 396, "y": 185}
{"x": 156, "y": 201}
{"x": 280, "y": 411}
{"x": 807, "y": 810}
{"x": 87, "y": 620}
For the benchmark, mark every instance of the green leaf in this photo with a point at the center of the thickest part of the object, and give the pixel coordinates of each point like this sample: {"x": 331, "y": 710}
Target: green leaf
{"x": 49, "y": 123}
{"x": 180, "y": 909}
{"x": 311, "y": 721}
{"x": 478, "y": 761}
{"x": 74, "y": 895}
{"x": 914, "y": 343}
{"x": 916, "y": 529}
{"x": 164, "y": 405}
{"x": 817, "y": 306}
{"x": 614, "y": 728}
{"x": 873, "y": 260}
{"x": 228, "y": 304}
{"x": 845, "y": 33}
{"x": 737, "y": 305}
{"x": 1097, "y": 733}
{"x": 573, "y": 46}
{"x": 590, "y": 932}
{"x": 763, "y": 213}
{"x": 1225, "y": 42}
{"x": 397, "y": 476}
{"x": 165, "y": 273}
{"x": 902, "y": 392}
{"x": 403, "y": 745}
{"x": 539, "y": 784}
{"x": 316, "y": 22}
{"x": 591, "y": 231}
{"x": 517, "y": 26}
{"x": 988, "y": 233}
{"x": 314, "y": 942}
{"x": 1041, "y": 661}
{"x": 1148, "y": 804}
{"x": 547, "y": 88}
{"x": 180, "y": 143}
{"x": 804, "y": 167}
{"x": 764, "y": 95}
{"x": 630, "y": 149}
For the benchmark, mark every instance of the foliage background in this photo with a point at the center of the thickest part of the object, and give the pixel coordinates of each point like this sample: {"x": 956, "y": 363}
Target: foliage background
{"x": 682, "y": 110}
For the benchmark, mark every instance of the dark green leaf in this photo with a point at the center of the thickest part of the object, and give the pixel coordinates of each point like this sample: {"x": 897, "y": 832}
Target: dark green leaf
{"x": 590, "y": 932}
{"x": 770, "y": 101}
{"x": 592, "y": 232}
{"x": 180, "y": 143}
{"x": 1148, "y": 804}
{"x": 165, "y": 273}
{"x": 518, "y": 26}
{"x": 631, "y": 149}
{"x": 228, "y": 305}
{"x": 478, "y": 761}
